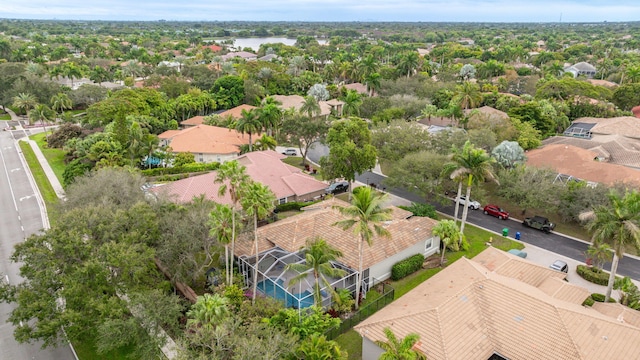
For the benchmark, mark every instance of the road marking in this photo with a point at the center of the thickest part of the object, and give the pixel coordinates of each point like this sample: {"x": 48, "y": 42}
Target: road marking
{"x": 4, "y": 163}
{"x": 16, "y": 169}
{"x": 7, "y": 277}
{"x": 26, "y": 197}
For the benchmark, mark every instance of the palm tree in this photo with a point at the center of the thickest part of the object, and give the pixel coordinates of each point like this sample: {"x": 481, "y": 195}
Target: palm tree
{"x": 449, "y": 234}
{"x": 258, "y": 202}
{"x": 467, "y": 95}
{"x": 221, "y": 223}
{"x": 600, "y": 254}
{"x": 365, "y": 215}
{"x": 352, "y": 102}
{"x": 317, "y": 347}
{"x": 249, "y": 123}
{"x": 24, "y": 102}
{"x": 429, "y": 111}
{"x": 60, "y": 102}
{"x": 373, "y": 82}
{"x": 396, "y": 349}
{"x": 310, "y": 106}
{"x": 232, "y": 176}
{"x": 617, "y": 224}
{"x": 474, "y": 164}
{"x": 318, "y": 258}
{"x": 633, "y": 74}
{"x": 266, "y": 142}
{"x": 270, "y": 115}
{"x": 208, "y": 312}
{"x": 41, "y": 113}
{"x": 408, "y": 63}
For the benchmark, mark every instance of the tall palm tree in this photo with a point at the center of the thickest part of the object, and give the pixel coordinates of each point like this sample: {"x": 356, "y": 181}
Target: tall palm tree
{"x": 467, "y": 95}
{"x": 221, "y": 225}
{"x": 25, "y": 102}
{"x": 352, "y": 102}
{"x": 266, "y": 142}
{"x": 318, "y": 257}
{"x": 474, "y": 164}
{"x": 60, "y": 102}
{"x": 408, "y": 63}
{"x": 208, "y": 312}
{"x": 258, "y": 202}
{"x": 249, "y": 123}
{"x": 41, "y": 113}
{"x": 449, "y": 234}
{"x": 365, "y": 215}
{"x": 616, "y": 224}
{"x": 310, "y": 106}
{"x": 399, "y": 349}
{"x": 373, "y": 82}
{"x": 270, "y": 115}
{"x": 232, "y": 176}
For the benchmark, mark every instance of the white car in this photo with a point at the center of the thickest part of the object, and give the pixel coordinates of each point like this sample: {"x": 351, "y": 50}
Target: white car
{"x": 290, "y": 152}
{"x": 473, "y": 205}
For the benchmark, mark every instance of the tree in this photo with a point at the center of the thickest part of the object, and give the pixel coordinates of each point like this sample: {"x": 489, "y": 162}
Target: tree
{"x": 232, "y": 176}
{"x": 365, "y": 215}
{"x": 208, "y": 312}
{"x": 600, "y": 254}
{"x": 61, "y": 102}
{"x": 318, "y": 257}
{"x": 399, "y": 138}
{"x": 41, "y": 113}
{"x": 319, "y": 92}
{"x": 467, "y": 95}
{"x": 408, "y": 63}
{"x": 249, "y": 123}
{"x": 310, "y": 107}
{"x": 352, "y": 102}
{"x": 304, "y": 132}
{"x": 24, "y": 102}
{"x": 373, "y": 82}
{"x": 350, "y": 150}
{"x": 258, "y": 201}
{"x": 616, "y": 224}
{"x": 450, "y": 235}
{"x": 317, "y": 347}
{"x": 467, "y": 72}
{"x": 266, "y": 142}
{"x": 221, "y": 224}
{"x": 270, "y": 115}
{"x": 228, "y": 91}
{"x": 418, "y": 171}
{"x": 400, "y": 349}
{"x": 473, "y": 164}
{"x": 508, "y": 154}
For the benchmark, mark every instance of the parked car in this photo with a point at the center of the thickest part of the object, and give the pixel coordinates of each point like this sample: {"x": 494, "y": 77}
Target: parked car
{"x": 540, "y": 223}
{"x": 473, "y": 205}
{"x": 495, "y": 210}
{"x": 516, "y": 252}
{"x": 290, "y": 152}
{"x": 560, "y": 265}
{"x": 337, "y": 187}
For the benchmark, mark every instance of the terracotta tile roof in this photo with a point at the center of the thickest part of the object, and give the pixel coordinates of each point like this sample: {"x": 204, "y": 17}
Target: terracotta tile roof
{"x": 213, "y": 48}
{"x": 488, "y": 111}
{"x": 602, "y": 83}
{"x": 628, "y": 126}
{"x": 196, "y": 120}
{"x": 296, "y": 101}
{"x": 615, "y": 149}
{"x": 469, "y": 312}
{"x": 265, "y": 167}
{"x": 580, "y": 163}
{"x": 359, "y": 87}
{"x": 236, "y": 112}
{"x": 205, "y": 139}
{"x": 619, "y": 312}
{"x": 292, "y": 233}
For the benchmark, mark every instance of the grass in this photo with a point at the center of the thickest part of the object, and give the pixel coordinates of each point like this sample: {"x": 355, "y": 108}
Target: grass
{"x": 5, "y": 117}
{"x": 296, "y": 161}
{"x": 48, "y": 194}
{"x": 351, "y": 342}
{"x": 55, "y": 157}
{"x": 86, "y": 350}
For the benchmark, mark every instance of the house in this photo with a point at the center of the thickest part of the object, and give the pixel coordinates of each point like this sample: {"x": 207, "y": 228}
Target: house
{"x": 296, "y": 102}
{"x": 213, "y": 48}
{"x": 499, "y": 306}
{"x": 269, "y": 57}
{"x": 358, "y": 87}
{"x": 582, "y": 164}
{"x": 235, "y": 113}
{"x": 194, "y": 121}
{"x": 410, "y": 235}
{"x": 241, "y": 54}
{"x": 288, "y": 183}
{"x": 581, "y": 68}
{"x": 206, "y": 143}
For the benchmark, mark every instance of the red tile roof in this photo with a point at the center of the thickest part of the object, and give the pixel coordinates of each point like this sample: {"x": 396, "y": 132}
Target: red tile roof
{"x": 205, "y": 139}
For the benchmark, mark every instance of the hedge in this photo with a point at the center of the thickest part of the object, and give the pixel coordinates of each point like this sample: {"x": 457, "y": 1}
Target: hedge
{"x": 294, "y": 205}
{"x": 600, "y": 298}
{"x": 593, "y": 274}
{"x": 187, "y": 168}
{"x": 407, "y": 266}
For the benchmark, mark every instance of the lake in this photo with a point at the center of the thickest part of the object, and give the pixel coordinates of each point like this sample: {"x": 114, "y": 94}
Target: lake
{"x": 255, "y": 43}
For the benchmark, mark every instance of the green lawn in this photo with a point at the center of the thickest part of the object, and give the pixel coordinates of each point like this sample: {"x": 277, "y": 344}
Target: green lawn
{"x": 48, "y": 194}
{"x": 5, "y": 117}
{"x": 55, "y": 157}
{"x": 86, "y": 350}
{"x": 297, "y": 162}
{"x": 351, "y": 342}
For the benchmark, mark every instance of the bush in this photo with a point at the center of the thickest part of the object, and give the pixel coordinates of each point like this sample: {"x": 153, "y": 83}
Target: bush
{"x": 294, "y": 205}
{"x": 588, "y": 301}
{"x": 186, "y": 168}
{"x": 406, "y": 267}
{"x": 600, "y": 298}
{"x": 424, "y": 210}
{"x": 593, "y": 274}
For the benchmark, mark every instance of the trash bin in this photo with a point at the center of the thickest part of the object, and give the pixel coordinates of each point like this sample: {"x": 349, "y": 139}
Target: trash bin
{"x": 517, "y": 235}
{"x": 505, "y": 232}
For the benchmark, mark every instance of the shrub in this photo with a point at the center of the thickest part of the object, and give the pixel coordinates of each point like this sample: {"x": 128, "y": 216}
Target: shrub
{"x": 588, "y": 301}
{"x": 424, "y": 210}
{"x": 593, "y": 274}
{"x": 186, "y": 168}
{"x": 294, "y": 205}
{"x": 600, "y": 298}
{"x": 407, "y": 266}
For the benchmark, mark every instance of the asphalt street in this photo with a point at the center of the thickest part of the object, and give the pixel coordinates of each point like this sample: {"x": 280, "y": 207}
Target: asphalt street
{"x": 553, "y": 242}
{"x": 20, "y": 216}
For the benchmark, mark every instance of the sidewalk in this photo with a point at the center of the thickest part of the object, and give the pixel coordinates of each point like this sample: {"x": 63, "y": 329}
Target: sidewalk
{"x": 53, "y": 179}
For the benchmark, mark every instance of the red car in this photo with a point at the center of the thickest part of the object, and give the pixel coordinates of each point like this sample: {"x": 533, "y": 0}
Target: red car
{"x": 496, "y": 211}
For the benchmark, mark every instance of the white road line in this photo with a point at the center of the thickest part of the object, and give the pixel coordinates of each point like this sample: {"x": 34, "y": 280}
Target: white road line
{"x": 7, "y": 277}
{"x": 15, "y": 204}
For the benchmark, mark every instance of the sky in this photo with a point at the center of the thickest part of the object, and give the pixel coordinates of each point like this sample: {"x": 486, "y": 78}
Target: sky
{"x": 327, "y": 10}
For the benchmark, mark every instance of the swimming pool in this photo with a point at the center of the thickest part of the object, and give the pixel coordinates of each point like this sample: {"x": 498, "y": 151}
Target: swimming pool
{"x": 300, "y": 300}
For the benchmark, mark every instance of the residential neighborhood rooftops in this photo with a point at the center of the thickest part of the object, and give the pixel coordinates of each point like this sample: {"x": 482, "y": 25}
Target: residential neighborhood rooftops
{"x": 628, "y": 126}
{"x": 236, "y": 112}
{"x": 468, "y": 312}
{"x": 205, "y": 139}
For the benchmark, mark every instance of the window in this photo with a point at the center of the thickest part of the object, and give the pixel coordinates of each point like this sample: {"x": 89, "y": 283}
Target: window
{"x": 428, "y": 244}
{"x": 282, "y": 201}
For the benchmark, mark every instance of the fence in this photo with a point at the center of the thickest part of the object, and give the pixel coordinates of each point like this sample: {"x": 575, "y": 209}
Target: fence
{"x": 363, "y": 312}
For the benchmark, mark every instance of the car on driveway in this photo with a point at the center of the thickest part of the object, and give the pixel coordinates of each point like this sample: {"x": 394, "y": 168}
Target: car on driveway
{"x": 540, "y": 223}
{"x": 495, "y": 210}
{"x": 473, "y": 205}
{"x": 560, "y": 265}
{"x": 337, "y": 187}
{"x": 290, "y": 152}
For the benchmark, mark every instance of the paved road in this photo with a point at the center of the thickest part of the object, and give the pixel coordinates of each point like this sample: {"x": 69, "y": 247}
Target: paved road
{"x": 20, "y": 216}
{"x": 554, "y": 242}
